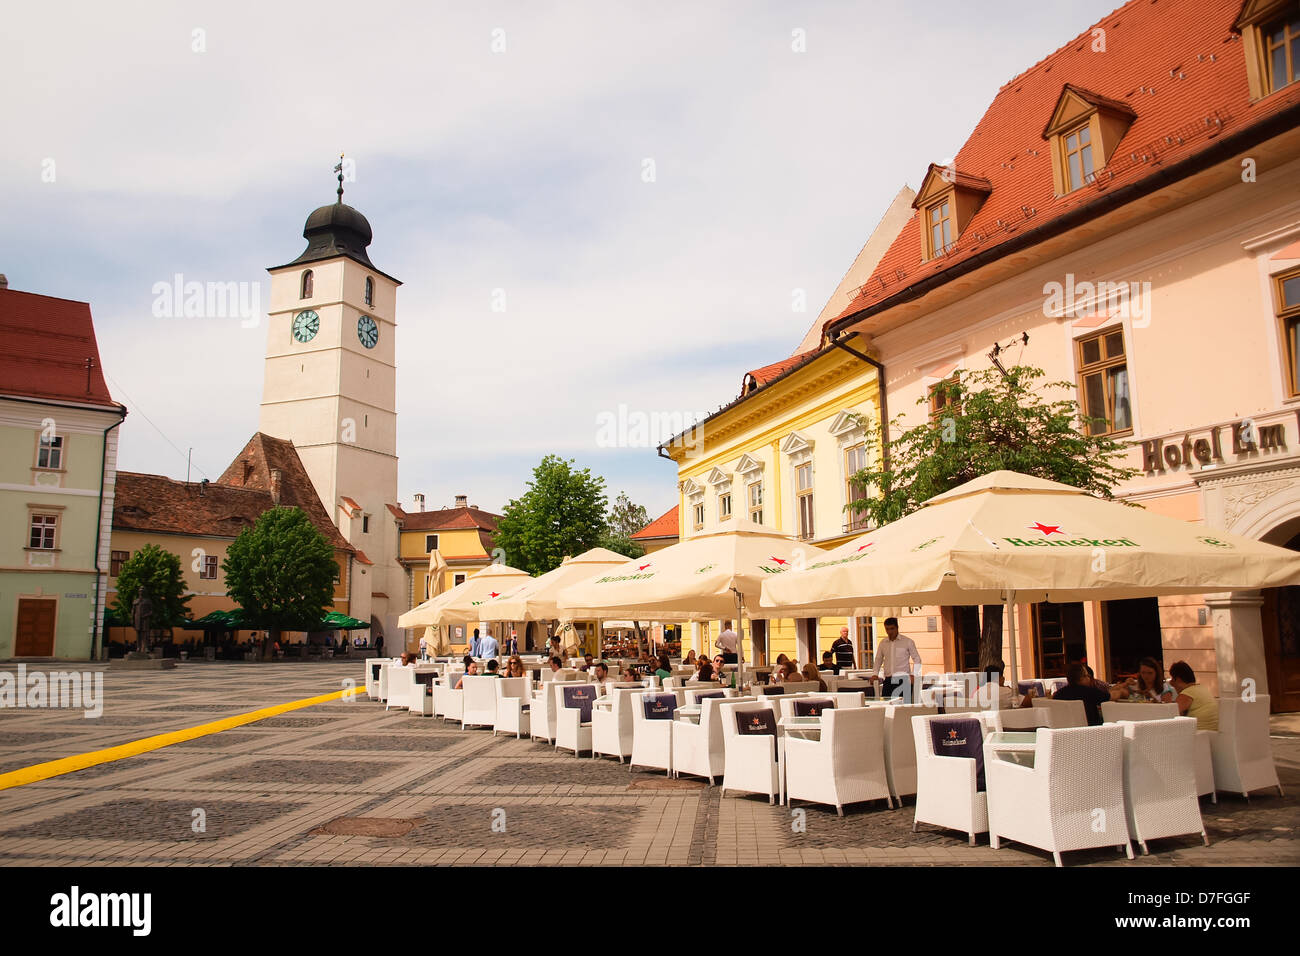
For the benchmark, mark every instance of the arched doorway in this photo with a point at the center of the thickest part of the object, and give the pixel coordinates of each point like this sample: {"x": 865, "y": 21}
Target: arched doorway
{"x": 1280, "y": 620}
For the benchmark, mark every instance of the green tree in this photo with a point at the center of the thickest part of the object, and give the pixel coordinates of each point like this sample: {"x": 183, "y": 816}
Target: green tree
{"x": 624, "y": 520}
{"x": 159, "y": 572}
{"x": 561, "y": 513}
{"x": 988, "y": 422}
{"x": 281, "y": 572}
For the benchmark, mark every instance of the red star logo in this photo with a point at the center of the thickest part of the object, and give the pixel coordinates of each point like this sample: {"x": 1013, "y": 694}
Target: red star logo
{"x": 495, "y": 594}
{"x": 643, "y": 566}
{"x": 952, "y": 734}
{"x": 863, "y": 547}
{"x": 1047, "y": 529}
{"x": 778, "y": 560}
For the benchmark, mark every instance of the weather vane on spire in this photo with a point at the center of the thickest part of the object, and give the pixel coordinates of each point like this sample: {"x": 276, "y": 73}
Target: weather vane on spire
{"x": 339, "y": 169}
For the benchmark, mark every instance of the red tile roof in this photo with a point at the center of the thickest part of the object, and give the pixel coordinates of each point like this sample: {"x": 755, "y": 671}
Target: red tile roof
{"x": 352, "y": 505}
{"x": 767, "y": 373}
{"x": 44, "y": 345}
{"x": 665, "y": 526}
{"x": 1145, "y": 41}
{"x": 448, "y": 519}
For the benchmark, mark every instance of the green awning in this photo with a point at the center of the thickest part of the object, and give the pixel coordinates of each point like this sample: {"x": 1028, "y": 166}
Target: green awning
{"x": 232, "y": 620}
{"x": 337, "y": 621}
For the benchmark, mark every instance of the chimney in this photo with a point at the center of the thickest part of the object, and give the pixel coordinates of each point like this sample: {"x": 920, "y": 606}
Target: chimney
{"x": 275, "y": 487}
{"x": 419, "y": 502}
{"x": 461, "y": 501}
{"x": 4, "y": 281}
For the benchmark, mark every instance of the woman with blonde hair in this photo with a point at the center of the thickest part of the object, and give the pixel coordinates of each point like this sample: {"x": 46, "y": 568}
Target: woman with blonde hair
{"x": 810, "y": 673}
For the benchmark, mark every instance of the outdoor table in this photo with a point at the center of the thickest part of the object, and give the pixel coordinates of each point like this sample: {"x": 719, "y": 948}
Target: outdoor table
{"x": 805, "y": 728}
{"x": 1014, "y": 747}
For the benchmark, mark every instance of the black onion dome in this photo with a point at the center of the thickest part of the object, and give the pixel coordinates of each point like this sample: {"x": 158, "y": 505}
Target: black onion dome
{"x": 336, "y": 230}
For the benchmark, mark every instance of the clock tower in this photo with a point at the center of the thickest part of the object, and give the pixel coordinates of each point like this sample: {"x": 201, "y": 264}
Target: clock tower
{"x": 330, "y": 387}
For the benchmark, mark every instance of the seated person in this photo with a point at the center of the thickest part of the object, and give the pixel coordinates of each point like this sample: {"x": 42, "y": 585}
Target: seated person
{"x": 810, "y": 673}
{"x": 406, "y": 658}
{"x": 556, "y": 664}
{"x": 665, "y": 670}
{"x": 493, "y": 668}
{"x": 828, "y": 663}
{"x": 1005, "y": 695}
{"x": 1150, "y": 683}
{"x": 706, "y": 671}
{"x": 1193, "y": 699}
{"x": 690, "y": 659}
{"x": 719, "y": 671}
{"x": 471, "y": 669}
{"x": 1080, "y": 688}
{"x": 1100, "y": 685}
{"x": 786, "y": 673}
{"x": 587, "y": 660}
{"x": 601, "y": 671}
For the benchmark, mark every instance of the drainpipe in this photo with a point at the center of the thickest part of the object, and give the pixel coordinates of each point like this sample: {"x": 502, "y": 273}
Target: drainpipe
{"x": 99, "y": 524}
{"x": 884, "y": 397}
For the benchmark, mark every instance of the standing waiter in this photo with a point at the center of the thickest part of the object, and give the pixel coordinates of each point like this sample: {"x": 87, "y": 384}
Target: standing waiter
{"x": 894, "y": 657}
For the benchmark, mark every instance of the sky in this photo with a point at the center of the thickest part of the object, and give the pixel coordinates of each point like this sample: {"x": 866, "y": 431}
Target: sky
{"x": 599, "y": 212}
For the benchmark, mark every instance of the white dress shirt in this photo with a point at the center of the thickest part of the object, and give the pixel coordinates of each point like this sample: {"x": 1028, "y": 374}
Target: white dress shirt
{"x": 727, "y": 641}
{"x": 895, "y": 655}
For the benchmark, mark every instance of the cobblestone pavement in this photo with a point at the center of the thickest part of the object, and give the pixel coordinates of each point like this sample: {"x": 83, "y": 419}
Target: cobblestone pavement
{"x": 349, "y": 783}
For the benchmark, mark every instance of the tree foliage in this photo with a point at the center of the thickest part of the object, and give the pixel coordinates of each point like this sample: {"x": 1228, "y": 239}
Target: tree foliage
{"x": 988, "y": 422}
{"x": 625, "y": 519}
{"x": 562, "y": 513}
{"x": 159, "y": 572}
{"x": 281, "y": 572}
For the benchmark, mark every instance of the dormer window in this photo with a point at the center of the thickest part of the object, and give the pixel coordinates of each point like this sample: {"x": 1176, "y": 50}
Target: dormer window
{"x": 305, "y": 292}
{"x": 947, "y": 201}
{"x": 1078, "y": 157}
{"x": 1270, "y": 33}
{"x": 1084, "y": 131}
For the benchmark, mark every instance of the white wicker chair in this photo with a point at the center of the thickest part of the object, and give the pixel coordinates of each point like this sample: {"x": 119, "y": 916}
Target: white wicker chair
{"x": 480, "y": 708}
{"x": 838, "y": 769}
{"x": 401, "y": 687}
{"x": 698, "y": 748}
{"x": 422, "y": 699}
{"x": 544, "y": 712}
{"x": 573, "y": 715}
{"x": 1243, "y": 759}
{"x": 751, "y": 760}
{"x": 692, "y": 694}
{"x": 652, "y": 736}
{"x": 1205, "y": 764}
{"x": 947, "y": 793}
{"x": 900, "y": 747}
{"x": 449, "y": 703}
{"x": 514, "y": 701}
{"x": 1160, "y": 779}
{"x": 1062, "y": 714}
{"x": 1072, "y": 798}
{"x": 1116, "y": 710}
{"x": 611, "y": 727}
{"x": 374, "y": 666}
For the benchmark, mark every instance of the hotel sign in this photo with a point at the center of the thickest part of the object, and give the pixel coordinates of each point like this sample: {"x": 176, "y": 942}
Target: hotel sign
{"x": 1217, "y": 444}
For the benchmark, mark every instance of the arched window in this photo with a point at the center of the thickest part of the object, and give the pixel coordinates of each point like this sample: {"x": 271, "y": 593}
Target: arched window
{"x": 306, "y": 285}
{"x": 370, "y": 291}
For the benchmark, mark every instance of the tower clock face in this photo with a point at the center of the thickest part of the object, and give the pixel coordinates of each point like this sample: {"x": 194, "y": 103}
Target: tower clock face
{"x": 306, "y": 325}
{"x": 367, "y": 331}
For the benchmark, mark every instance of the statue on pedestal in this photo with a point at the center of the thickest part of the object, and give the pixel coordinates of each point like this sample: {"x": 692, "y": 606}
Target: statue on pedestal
{"x": 141, "y": 613}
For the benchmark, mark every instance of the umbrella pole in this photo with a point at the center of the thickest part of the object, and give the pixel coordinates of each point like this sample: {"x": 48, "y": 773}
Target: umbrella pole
{"x": 740, "y": 639}
{"x": 1009, "y": 612}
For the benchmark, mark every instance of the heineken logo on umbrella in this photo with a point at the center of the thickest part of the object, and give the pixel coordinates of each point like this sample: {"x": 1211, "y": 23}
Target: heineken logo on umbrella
{"x": 642, "y": 567}
{"x": 858, "y": 554}
{"x": 925, "y": 544}
{"x": 707, "y": 567}
{"x": 1215, "y": 542}
{"x": 781, "y": 565}
{"x": 1064, "y": 540}
{"x": 1047, "y": 529}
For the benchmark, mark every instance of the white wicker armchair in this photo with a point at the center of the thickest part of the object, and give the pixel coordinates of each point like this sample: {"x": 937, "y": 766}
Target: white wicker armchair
{"x": 1243, "y": 759}
{"x": 751, "y": 759}
{"x": 480, "y": 709}
{"x": 838, "y": 768}
{"x": 1116, "y": 710}
{"x": 611, "y": 727}
{"x": 1062, "y": 714}
{"x": 514, "y": 702}
{"x": 947, "y": 792}
{"x": 1072, "y": 798}
{"x": 1160, "y": 779}
{"x": 698, "y": 748}
{"x": 573, "y": 714}
{"x": 900, "y": 747}
{"x": 652, "y": 730}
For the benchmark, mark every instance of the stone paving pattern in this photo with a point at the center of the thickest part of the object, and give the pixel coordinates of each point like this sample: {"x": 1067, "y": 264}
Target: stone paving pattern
{"x": 430, "y": 793}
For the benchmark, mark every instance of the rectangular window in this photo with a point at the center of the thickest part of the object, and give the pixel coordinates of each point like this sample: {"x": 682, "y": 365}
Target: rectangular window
{"x": 1288, "y": 311}
{"x": 116, "y": 560}
{"x": 43, "y": 530}
{"x": 698, "y": 512}
{"x": 855, "y": 460}
{"x": 943, "y": 397}
{"x": 50, "y": 453}
{"x": 1078, "y": 157}
{"x": 756, "y": 502}
{"x": 1103, "y": 383}
{"x": 430, "y": 543}
{"x": 804, "y": 491}
{"x": 724, "y": 506}
{"x": 365, "y": 524}
{"x": 458, "y": 579}
{"x": 1282, "y": 52}
{"x": 939, "y": 218}
{"x": 209, "y": 571}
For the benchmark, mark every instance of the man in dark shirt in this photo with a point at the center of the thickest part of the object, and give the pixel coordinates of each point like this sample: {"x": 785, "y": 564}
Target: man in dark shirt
{"x": 828, "y": 663}
{"x": 1080, "y": 687}
{"x": 843, "y": 650}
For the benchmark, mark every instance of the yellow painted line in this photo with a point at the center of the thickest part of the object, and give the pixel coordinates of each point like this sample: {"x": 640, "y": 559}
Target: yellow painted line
{"x": 54, "y": 768}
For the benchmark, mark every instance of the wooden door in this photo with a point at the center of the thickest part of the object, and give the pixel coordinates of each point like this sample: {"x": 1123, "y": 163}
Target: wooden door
{"x": 1280, "y": 617}
{"x": 34, "y": 636}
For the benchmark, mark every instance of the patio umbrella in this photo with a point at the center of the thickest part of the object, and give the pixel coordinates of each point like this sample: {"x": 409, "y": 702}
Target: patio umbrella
{"x": 437, "y": 586}
{"x": 463, "y": 603}
{"x": 1010, "y": 538}
{"x": 337, "y": 621}
{"x": 537, "y": 599}
{"x": 714, "y": 576}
